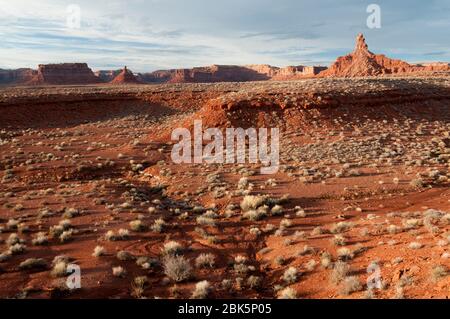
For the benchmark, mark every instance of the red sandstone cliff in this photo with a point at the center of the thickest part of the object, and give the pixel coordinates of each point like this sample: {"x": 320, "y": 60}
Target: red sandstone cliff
{"x": 229, "y": 73}
{"x": 64, "y": 73}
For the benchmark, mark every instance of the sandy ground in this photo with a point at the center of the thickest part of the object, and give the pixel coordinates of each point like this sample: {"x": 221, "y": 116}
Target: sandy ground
{"x": 363, "y": 181}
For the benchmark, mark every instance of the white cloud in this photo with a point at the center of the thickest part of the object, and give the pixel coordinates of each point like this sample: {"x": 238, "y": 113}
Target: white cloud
{"x": 146, "y": 35}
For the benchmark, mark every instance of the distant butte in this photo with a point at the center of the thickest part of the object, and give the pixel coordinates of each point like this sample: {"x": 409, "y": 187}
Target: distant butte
{"x": 362, "y": 62}
{"x": 125, "y": 77}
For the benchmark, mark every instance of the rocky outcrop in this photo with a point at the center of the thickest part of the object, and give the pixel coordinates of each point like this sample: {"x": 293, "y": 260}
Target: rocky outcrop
{"x": 17, "y": 76}
{"x": 362, "y": 62}
{"x": 125, "y": 77}
{"x": 64, "y": 73}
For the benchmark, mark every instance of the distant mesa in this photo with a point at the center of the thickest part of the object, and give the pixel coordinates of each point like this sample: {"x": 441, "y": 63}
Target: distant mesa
{"x": 64, "y": 73}
{"x": 230, "y": 73}
{"x": 125, "y": 77}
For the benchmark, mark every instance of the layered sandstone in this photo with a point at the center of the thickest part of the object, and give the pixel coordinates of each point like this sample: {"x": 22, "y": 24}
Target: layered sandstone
{"x": 64, "y": 73}
{"x": 230, "y": 73}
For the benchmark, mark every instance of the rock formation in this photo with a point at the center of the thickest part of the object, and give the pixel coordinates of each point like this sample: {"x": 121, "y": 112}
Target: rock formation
{"x": 125, "y": 77}
{"x": 229, "y": 73}
{"x": 362, "y": 62}
{"x": 17, "y": 76}
{"x": 64, "y": 73}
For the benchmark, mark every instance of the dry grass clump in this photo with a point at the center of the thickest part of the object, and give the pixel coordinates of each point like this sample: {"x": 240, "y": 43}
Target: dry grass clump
{"x": 290, "y": 276}
{"x": 341, "y": 227}
{"x": 252, "y": 202}
{"x": 438, "y": 272}
{"x": 415, "y": 245}
{"x": 124, "y": 255}
{"x": 202, "y": 289}
{"x": 177, "y": 268}
{"x": 119, "y": 271}
{"x": 33, "y": 263}
{"x": 345, "y": 254}
{"x": 172, "y": 248}
{"x": 159, "y": 225}
{"x": 339, "y": 240}
{"x": 122, "y": 234}
{"x": 138, "y": 286}
{"x": 40, "y": 239}
{"x": 254, "y": 282}
{"x": 205, "y": 261}
{"x": 339, "y": 272}
{"x": 59, "y": 266}
{"x": 350, "y": 285}
{"x": 287, "y": 293}
{"x": 99, "y": 251}
{"x": 138, "y": 226}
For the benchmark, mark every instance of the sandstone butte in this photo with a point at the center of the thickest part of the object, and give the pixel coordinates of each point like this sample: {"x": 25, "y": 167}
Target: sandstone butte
{"x": 362, "y": 62}
{"x": 125, "y": 77}
{"x": 64, "y": 73}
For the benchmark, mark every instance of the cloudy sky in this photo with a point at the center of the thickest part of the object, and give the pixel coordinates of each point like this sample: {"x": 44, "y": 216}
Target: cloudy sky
{"x": 159, "y": 34}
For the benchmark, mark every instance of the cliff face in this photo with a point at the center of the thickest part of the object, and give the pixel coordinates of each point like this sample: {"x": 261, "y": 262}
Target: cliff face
{"x": 65, "y": 73}
{"x": 18, "y": 76}
{"x": 229, "y": 73}
{"x": 125, "y": 77}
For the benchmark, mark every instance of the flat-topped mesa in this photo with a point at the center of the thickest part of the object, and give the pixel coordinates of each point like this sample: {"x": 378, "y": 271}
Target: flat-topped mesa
{"x": 125, "y": 77}
{"x": 65, "y": 73}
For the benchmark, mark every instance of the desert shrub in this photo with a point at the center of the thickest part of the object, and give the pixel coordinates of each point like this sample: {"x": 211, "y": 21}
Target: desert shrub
{"x": 287, "y": 293}
{"x": 202, "y": 289}
{"x": 350, "y": 285}
{"x": 290, "y": 276}
{"x": 341, "y": 227}
{"x": 99, "y": 251}
{"x": 177, "y": 268}
{"x": 438, "y": 272}
{"x": 205, "y": 260}
{"x": 172, "y": 248}
{"x": 415, "y": 245}
{"x": 254, "y": 282}
{"x": 119, "y": 271}
{"x": 40, "y": 239}
{"x": 33, "y": 263}
{"x": 344, "y": 254}
{"x": 339, "y": 272}
{"x": 59, "y": 268}
{"x": 124, "y": 255}
{"x": 137, "y": 226}
{"x": 252, "y": 202}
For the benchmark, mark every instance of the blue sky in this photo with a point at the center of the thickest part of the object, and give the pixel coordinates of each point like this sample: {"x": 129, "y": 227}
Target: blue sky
{"x": 160, "y": 34}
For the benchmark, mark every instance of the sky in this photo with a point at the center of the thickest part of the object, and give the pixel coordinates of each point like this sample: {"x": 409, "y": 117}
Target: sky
{"x": 161, "y": 34}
